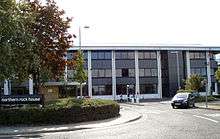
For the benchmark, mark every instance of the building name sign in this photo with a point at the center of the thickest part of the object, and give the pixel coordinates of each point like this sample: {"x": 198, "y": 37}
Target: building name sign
{"x": 35, "y": 99}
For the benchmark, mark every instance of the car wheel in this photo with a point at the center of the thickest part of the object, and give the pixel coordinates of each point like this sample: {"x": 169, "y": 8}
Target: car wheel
{"x": 173, "y": 107}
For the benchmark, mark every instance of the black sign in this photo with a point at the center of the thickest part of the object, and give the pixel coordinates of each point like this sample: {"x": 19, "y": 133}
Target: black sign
{"x": 21, "y": 99}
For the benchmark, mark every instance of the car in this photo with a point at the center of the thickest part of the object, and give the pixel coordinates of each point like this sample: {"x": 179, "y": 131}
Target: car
{"x": 185, "y": 100}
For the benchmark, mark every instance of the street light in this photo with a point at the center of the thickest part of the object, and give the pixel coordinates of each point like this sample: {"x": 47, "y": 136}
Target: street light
{"x": 177, "y": 64}
{"x": 80, "y": 39}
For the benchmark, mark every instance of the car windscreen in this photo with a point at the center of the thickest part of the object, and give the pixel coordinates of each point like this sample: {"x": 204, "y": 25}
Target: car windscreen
{"x": 184, "y": 96}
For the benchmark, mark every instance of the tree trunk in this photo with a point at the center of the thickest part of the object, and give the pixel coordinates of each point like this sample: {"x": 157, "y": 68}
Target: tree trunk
{"x": 81, "y": 90}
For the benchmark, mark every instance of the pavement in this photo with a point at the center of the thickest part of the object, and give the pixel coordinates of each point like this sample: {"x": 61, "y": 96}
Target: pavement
{"x": 126, "y": 115}
{"x": 213, "y": 105}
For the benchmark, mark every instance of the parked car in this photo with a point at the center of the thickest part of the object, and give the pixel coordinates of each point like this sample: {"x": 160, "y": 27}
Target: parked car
{"x": 185, "y": 100}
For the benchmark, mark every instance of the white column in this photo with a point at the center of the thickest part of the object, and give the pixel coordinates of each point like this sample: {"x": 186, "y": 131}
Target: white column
{"x": 137, "y": 85}
{"x": 208, "y": 72}
{"x": 113, "y": 76}
{"x": 65, "y": 73}
{"x": 31, "y": 90}
{"x": 159, "y": 87}
{"x": 216, "y": 88}
{"x": 188, "y": 70}
{"x": 6, "y": 91}
{"x": 89, "y": 74}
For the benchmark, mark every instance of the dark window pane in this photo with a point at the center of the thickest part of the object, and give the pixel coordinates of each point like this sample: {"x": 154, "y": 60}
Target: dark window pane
{"x": 117, "y": 55}
{"x": 153, "y": 55}
{"x": 124, "y": 72}
{"x": 94, "y": 55}
{"x": 130, "y": 55}
{"x": 140, "y": 55}
{"x": 108, "y": 55}
{"x": 101, "y": 55}
{"x": 146, "y": 55}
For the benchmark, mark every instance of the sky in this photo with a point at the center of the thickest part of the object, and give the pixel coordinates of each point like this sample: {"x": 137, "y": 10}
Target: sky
{"x": 145, "y": 22}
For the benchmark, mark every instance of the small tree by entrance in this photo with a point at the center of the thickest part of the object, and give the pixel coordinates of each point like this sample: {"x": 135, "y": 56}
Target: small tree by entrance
{"x": 217, "y": 75}
{"x": 80, "y": 75}
{"x": 194, "y": 82}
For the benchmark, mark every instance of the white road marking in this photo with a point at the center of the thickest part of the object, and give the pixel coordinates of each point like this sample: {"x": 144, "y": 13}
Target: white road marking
{"x": 213, "y": 115}
{"x": 206, "y": 118}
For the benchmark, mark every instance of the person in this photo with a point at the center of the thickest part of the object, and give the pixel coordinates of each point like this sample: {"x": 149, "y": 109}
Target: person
{"x": 121, "y": 97}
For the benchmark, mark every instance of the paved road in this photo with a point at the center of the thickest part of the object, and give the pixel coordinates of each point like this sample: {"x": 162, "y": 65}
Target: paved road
{"x": 158, "y": 121}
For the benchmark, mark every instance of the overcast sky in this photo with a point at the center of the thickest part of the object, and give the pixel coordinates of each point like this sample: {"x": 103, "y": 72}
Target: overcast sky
{"x": 145, "y": 21}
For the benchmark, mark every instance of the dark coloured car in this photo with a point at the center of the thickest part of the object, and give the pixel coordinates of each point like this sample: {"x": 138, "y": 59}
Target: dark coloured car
{"x": 185, "y": 100}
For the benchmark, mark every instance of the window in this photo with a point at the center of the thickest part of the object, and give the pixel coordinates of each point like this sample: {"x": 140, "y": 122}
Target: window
{"x": 94, "y": 55}
{"x": 148, "y": 88}
{"x": 101, "y": 55}
{"x": 200, "y": 71}
{"x": 197, "y": 55}
{"x": 124, "y": 72}
{"x": 95, "y": 73}
{"x": 118, "y": 73}
{"x": 131, "y": 72}
{"x": 124, "y": 55}
{"x": 130, "y": 55}
{"x": 101, "y": 73}
{"x": 140, "y": 55}
{"x": 108, "y": 73}
{"x": 141, "y": 72}
{"x": 147, "y": 72}
{"x": 101, "y": 90}
{"x": 154, "y": 72}
{"x": 147, "y": 55}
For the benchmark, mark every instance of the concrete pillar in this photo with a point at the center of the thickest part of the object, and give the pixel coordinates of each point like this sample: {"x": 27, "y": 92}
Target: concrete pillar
{"x": 137, "y": 85}
{"x": 208, "y": 72}
{"x": 6, "y": 91}
{"x": 159, "y": 86}
{"x": 216, "y": 88}
{"x": 31, "y": 90}
{"x": 113, "y": 76}
{"x": 89, "y": 74}
{"x": 65, "y": 73}
{"x": 188, "y": 70}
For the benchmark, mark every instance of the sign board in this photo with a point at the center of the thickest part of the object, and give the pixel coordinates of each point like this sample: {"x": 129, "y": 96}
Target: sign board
{"x": 21, "y": 99}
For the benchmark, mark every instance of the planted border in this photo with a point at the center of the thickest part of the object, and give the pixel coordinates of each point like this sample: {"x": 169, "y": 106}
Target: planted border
{"x": 60, "y": 115}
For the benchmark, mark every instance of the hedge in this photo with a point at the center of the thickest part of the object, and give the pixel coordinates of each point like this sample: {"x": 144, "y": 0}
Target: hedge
{"x": 94, "y": 110}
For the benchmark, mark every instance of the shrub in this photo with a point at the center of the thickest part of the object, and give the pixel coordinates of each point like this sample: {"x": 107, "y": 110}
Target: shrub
{"x": 61, "y": 111}
{"x": 203, "y": 98}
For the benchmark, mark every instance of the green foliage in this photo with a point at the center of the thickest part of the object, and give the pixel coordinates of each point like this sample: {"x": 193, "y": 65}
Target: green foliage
{"x": 194, "y": 82}
{"x": 80, "y": 75}
{"x": 184, "y": 91}
{"x": 61, "y": 112}
{"x": 217, "y": 75}
{"x": 203, "y": 99}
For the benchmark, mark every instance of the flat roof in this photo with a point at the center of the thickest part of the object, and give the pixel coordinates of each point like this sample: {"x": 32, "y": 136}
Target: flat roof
{"x": 150, "y": 47}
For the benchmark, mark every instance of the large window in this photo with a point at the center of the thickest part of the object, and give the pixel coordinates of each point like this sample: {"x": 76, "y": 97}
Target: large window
{"x": 102, "y": 90}
{"x": 122, "y": 89}
{"x": 101, "y": 55}
{"x": 147, "y": 55}
{"x": 125, "y": 72}
{"x": 148, "y": 88}
{"x": 197, "y": 55}
{"x": 101, "y": 73}
{"x": 147, "y": 72}
{"x": 200, "y": 71}
{"x": 124, "y": 55}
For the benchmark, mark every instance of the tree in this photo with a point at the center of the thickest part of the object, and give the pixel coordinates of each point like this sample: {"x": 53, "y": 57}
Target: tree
{"x": 194, "y": 82}
{"x": 80, "y": 75}
{"x": 15, "y": 41}
{"x": 52, "y": 41}
{"x": 217, "y": 75}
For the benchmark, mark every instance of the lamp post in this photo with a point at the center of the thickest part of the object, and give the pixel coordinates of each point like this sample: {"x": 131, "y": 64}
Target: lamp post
{"x": 80, "y": 39}
{"x": 177, "y": 65}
